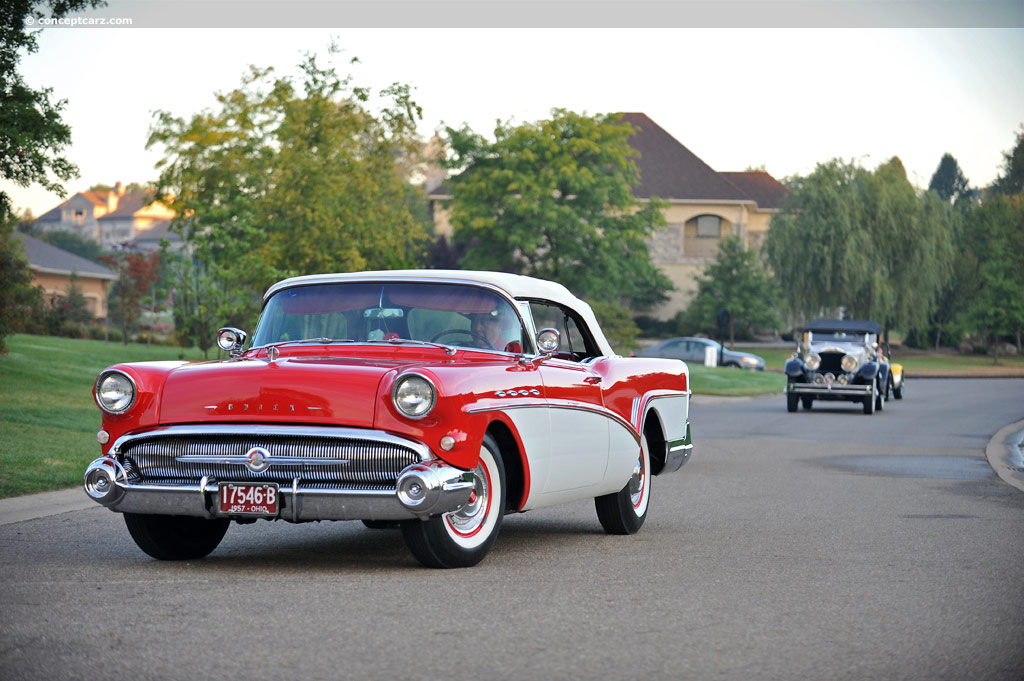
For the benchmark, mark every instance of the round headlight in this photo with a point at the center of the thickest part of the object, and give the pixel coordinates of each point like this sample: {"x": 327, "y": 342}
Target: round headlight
{"x": 813, "y": 361}
{"x": 849, "y": 363}
{"x": 414, "y": 396}
{"x": 115, "y": 392}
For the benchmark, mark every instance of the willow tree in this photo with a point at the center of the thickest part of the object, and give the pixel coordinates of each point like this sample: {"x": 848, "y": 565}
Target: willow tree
{"x": 862, "y": 241}
{"x": 554, "y": 199}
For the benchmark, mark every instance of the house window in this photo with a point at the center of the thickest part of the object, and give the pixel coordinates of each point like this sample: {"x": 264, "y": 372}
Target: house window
{"x": 78, "y": 216}
{"x": 709, "y": 226}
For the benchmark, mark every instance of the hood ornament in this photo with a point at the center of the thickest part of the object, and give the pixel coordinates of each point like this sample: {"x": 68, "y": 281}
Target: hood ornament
{"x": 273, "y": 353}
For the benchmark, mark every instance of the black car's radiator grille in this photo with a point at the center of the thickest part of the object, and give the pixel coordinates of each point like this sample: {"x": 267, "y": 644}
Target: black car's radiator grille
{"x": 370, "y": 464}
{"x": 832, "y": 362}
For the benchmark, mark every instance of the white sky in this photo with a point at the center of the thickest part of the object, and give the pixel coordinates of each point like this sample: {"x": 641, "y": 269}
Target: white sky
{"x": 786, "y": 99}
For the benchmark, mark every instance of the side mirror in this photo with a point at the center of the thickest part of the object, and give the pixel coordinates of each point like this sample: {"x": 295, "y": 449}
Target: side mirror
{"x": 548, "y": 341}
{"x": 231, "y": 340}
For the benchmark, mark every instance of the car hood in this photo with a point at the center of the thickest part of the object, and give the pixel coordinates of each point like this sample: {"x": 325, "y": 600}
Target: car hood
{"x": 306, "y": 389}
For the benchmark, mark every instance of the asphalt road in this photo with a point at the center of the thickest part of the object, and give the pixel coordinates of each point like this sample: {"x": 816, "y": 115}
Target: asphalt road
{"x": 820, "y": 545}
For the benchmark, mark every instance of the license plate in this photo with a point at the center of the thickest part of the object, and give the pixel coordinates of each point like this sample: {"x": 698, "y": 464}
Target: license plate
{"x": 239, "y": 498}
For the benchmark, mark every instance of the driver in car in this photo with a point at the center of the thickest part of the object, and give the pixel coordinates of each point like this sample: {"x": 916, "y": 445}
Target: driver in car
{"x": 490, "y": 327}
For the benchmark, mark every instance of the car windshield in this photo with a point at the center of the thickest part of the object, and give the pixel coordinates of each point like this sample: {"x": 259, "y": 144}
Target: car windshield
{"x": 450, "y": 314}
{"x": 836, "y": 337}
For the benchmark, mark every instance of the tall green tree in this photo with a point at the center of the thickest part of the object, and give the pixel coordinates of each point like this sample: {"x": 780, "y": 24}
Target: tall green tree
{"x": 1011, "y": 179}
{"x": 553, "y": 199}
{"x": 738, "y": 283}
{"x": 997, "y": 308}
{"x": 17, "y": 293}
{"x": 949, "y": 181}
{"x": 32, "y": 134}
{"x": 290, "y": 178}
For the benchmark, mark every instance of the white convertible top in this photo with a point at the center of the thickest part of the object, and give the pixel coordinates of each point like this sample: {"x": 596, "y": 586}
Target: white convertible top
{"x": 514, "y": 286}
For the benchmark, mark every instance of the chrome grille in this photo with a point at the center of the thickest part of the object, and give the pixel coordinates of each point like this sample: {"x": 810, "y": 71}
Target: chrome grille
{"x": 370, "y": 464}
{"x": 832, "y": 362}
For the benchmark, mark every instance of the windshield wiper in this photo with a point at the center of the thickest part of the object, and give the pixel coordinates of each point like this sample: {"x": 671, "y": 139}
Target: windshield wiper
{"x": 304, "y": 341}
{"x": 401, "y": 341}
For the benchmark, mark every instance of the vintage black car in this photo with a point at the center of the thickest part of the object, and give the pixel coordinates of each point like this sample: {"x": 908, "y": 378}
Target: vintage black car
{"x": 838, "y": 359}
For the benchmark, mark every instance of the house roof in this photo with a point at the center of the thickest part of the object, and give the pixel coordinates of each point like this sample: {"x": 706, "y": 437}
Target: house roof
{"x": 48, "y": 259}
{"x": 128, "y": 206}
{"x": 768, "y": 192}
{"x": 671, "y": 171}
{"x": 52, "y": 215}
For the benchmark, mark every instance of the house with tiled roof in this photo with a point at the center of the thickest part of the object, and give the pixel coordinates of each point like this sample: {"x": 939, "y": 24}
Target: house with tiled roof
{"x": 704, "y": 206}
{"x": 108, "y": 217}
{"x": 53, "y": 268}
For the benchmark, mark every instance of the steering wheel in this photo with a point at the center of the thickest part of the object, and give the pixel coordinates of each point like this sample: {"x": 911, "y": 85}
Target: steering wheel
{"x": 475, "y": 335}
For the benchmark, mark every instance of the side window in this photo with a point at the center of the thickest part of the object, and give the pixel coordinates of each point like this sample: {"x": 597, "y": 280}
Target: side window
{"x": 574, "y": 343}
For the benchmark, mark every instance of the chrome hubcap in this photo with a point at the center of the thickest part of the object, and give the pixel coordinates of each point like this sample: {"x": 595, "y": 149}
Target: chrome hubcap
{"x": 468, "y": 518}
{"x": 636, "y": 483}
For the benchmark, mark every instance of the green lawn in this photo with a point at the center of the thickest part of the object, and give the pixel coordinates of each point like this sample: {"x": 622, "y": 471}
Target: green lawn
{"x": 721, "y": 381}
{"x": 48, "y": 419}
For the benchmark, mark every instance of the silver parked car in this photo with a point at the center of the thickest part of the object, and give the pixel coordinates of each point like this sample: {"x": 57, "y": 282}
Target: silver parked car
{"x": 693, "y": 349}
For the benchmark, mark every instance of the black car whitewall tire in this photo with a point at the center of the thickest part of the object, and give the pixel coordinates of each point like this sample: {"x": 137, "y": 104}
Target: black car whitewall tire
{"x": 624, "y": 512}
{"x": 463, "y": 538}
{"x": 176, "y": 537}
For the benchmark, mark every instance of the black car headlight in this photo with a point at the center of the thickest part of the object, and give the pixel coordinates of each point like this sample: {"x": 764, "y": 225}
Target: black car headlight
{"x": 414, "y": 395}
{"x": 115, "y": 392}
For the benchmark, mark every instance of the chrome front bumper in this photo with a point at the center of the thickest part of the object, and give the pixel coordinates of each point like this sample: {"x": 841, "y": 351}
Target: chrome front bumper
{"x": 426, "y": 488}
{"x": 832, "y": 389}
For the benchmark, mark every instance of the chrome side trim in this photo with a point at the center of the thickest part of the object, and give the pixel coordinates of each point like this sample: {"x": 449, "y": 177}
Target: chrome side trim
{"x": 578, "y": 406}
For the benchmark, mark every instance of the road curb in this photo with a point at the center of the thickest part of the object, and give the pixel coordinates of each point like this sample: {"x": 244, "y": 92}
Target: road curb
{"x": 43, "y": 505}
{"x": 1004, "y": 454}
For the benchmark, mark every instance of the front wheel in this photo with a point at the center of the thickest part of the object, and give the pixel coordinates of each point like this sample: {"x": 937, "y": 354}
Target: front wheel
{"x": 897, "y": 391}
{"x": 463, "y": 538}
{"x": 625, "y": 511}
{"x": 792, "y": 400}
{"x": 869, "y": 401}
{"x": 175, "y": 537}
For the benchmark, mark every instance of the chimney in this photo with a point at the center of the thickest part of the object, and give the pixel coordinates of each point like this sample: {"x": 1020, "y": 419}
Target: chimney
{"x": 119, "y": 189}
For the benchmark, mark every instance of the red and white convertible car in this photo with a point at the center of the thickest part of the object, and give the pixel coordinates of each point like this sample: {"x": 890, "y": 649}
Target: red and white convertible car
{"x": 434, "y": 400}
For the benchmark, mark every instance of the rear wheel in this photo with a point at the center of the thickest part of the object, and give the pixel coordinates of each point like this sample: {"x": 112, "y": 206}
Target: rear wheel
{"x": 880, "y": 396}
{"x": 176, "y": 537}
{"x": 807, "y": 402}
{"x": 625, "y": 511}
{"x": 463, "y": 538}
{"x": 897, "y": 391}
